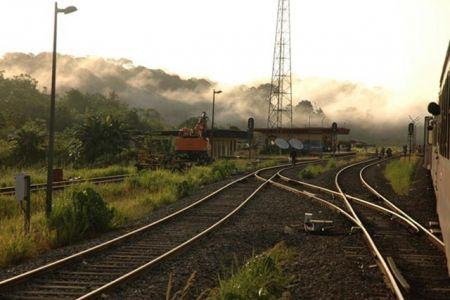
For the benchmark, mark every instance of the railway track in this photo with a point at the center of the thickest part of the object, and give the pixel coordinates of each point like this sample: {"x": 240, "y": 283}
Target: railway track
{"x": 410, "y": 258}
{"x": 60, "y": 185}
{"x": 94, "y": 271}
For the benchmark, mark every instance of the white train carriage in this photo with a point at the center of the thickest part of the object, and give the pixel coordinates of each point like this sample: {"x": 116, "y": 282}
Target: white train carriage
{"x": 437, "y": 152}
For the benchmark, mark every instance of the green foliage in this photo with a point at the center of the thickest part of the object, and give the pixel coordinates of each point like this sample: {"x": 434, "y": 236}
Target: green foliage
{"x": 104, "y": 116}
{"x": 311, "y": 171}
{"x": 28, "y": 143}
{"x": 20, "y": 102}
{"x": 261, "y": 277}
{"x": 15, "y": 249}
{"x": 84, "y": 214}
{"x": 222, "y": 169}
{"x": 331, "y": 164}
{"x": 400, "y": 174}
{"x": 15, "y": 246}
{"x": 99, "y": 137}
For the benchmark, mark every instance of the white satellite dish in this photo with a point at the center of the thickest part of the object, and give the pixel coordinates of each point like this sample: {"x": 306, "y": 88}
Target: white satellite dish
{"x": 296, "y": 144}
{"x": 281, "y": 143}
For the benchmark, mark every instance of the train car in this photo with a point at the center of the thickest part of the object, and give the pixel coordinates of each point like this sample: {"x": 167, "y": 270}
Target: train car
{"x": 437, "y": 152}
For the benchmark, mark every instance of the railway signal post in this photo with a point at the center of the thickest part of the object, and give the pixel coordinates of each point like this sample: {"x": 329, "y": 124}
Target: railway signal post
{"x": 250, "y": 127}
{"x": 410, "y": 137}
{"x": 334, "y": 128}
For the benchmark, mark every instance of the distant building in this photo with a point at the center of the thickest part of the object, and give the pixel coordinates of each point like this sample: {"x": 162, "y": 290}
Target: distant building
{"x": 314, "y": 139}
{"x": 226, "y": 143}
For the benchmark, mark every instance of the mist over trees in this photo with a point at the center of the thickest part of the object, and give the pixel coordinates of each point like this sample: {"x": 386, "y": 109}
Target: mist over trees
{"x": 145, "y": 98}
{"x": 89, "y": 127}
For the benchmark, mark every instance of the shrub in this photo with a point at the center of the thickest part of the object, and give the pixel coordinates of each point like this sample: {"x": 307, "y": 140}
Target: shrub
{"x": 222, "y": 169}
{"x": 311, "y": 171}
{"x": 331, "y": 164}
{"x": 84, "y": 214}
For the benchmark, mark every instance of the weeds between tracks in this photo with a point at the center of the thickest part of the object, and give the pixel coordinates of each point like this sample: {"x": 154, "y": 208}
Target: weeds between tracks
{"x": 261, "y": 277}
{"x": 313, "y": 171}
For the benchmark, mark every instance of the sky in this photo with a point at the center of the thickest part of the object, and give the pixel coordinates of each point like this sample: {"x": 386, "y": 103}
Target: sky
{"x": 399, "y": 45}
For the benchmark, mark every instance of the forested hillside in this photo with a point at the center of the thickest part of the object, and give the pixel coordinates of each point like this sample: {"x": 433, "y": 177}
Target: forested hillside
{"x": 90, "y": 127}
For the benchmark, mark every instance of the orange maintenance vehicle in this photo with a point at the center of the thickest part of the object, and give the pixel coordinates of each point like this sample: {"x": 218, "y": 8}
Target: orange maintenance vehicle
{"x": 194, "y": 143}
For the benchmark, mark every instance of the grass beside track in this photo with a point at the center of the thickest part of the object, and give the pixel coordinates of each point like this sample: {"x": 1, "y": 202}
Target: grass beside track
{"x": 261, "y": 277}
{"x": 132, "y": 199}
{"x": 400, "y": 173}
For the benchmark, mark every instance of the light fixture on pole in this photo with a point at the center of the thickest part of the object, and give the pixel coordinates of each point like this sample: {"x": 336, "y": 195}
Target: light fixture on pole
{"x": 212, "y": 121}
{"x": 51, "y": 137}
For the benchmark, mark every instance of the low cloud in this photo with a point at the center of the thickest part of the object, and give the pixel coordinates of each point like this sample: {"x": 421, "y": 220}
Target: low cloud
{"x": 368, "y": 111}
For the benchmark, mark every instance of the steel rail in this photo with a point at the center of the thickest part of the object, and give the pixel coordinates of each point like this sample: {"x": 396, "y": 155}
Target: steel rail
{"x": 389, "y": 277}
{"x": 436, "y": 241}
{"x": 135, "y": 272}
{"x": 62, "y": 184}
{"x": 311, "y": 196}
{"x": 404, "y": 221}
{"x": 7, "y": 283}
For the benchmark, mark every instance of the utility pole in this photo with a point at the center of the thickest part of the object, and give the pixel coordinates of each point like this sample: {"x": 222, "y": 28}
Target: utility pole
{"x": 280, "y": 98}
{"x": 51, "y": 125}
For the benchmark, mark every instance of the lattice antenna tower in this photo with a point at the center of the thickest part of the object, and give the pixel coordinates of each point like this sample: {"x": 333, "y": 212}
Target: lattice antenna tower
{"x": 280, "y": 98}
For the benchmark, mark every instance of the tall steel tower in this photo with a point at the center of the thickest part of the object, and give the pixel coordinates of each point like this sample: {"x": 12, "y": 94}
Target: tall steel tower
{"x": 280, "y": 99}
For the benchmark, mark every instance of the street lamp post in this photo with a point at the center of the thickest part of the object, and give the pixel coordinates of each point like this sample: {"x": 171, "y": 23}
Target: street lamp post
{"x": 51, "y": 125}
{"x": 212, "y": 122}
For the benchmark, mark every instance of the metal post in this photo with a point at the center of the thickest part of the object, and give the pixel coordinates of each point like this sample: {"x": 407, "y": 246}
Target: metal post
{"x": 410, "y": 146}
{"x": 51, "y": 138}
{"x": 309, "y": 133}
{"x": 212, "y": 122}
{"x": 212, "y": 125}
{"x": 27, "y": 200}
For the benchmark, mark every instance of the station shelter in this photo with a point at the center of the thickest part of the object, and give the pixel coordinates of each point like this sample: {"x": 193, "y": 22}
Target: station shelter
{"x": 226, "y": 143}
{"x": 314, "y": 139}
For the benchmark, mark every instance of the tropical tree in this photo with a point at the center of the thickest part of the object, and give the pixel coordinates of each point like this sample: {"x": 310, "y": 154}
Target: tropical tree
{"x": 29, "y": 143}
{"x": 101, "y": 137}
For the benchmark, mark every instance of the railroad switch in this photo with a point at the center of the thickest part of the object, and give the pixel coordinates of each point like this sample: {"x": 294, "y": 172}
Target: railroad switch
{"x": 312, "y": 225}
{"x": 354, "y": 229}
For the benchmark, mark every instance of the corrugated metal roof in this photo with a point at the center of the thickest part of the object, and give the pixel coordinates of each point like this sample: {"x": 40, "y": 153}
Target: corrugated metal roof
{"x": 302, "y": 130}
{"x": 218, "y": 133}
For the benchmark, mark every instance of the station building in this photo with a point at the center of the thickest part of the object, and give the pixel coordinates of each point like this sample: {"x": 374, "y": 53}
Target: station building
{"x": 226, "y": 143}
{"x": 314, "y": 139}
